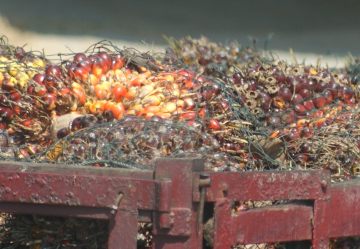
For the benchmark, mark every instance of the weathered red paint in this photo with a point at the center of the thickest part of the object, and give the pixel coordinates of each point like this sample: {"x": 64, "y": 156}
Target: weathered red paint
{"x": 181, "y": 227}
{"x": 259, "y": 186}
{"x": 59, "y": 186}
{"x": 169, "y": 196}
{"x": 288, "y": 222}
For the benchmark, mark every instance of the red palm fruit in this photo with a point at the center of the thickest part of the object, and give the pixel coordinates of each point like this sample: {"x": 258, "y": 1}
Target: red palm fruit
{"x": 293, "y": 135}
{"x": 64, "y": 91}
{"x": 27, "y": 122}
{"x": 311, "y": 85}
{"x": 214, "y": 125}
{"x": 229, "y": 146}
{"x": 265, "y": 100}
{"x": 297, "y": 99}
{"x": 346, "y": 93}
{"x": 119, "y": 92}
{"x": 276, "y": 134}
{"x": 300, "y": 109}
{"x": 136, "y": 81}
{"x": 298, "y": 85}
{"x": 6, "y": 113}
{"x": 288, "y": 117}
{"x": 106, "y": 60}
{"x": 252, "y": 85}
{"x": 79, "y": 57}
{"x": 309, "y": 105}
{"x": 118, "y": 110}
{"x": 193, "y": 123}
{"x": 189, "y": 84}
{"x": 101, "y": 91}
{"x": 8, "y": 85}
{"x": 328, "y": 96}
{"x": 132, "y": 93}
{"x": 320, "y": 86}
{"x": 317, "y": 114}
{"x": 19, "y": 53}
{"x": 319, "y": 101}
{"x": 17, "y": 110}
{"x": 97, "y": 67}
{"x": 85, "y": 65}
{"x": 203, "y": 113}
{"x": 306, "y": 148}
{"x": 278, "y": 102}
{"x": 77, "y": 124}
{"x": 305, "y": 93}
{"x": 351, "y": 101}
{"x": 70, "y": 70}
{"x": 80, "y": 95}
{"x": 334, "y": 88}
{"x": 117, "y": 62}
{"x": 237, "y": 78}
{"x": 285, "y": 93}
{"x": 50, "y": 101}
{"x": 320, "y": 122}
{"x": 39, "y": 78}
{"x": 15, "y": 96}
{"x": 302, "y": 122}
{"x": 3, "y": 99}
{"x": 307, "y": 132}
{"x": 3, "y": 126}
{"x": 188, "y": 116}
{"x": 216, "y": 88}
{"x": 31, "y": 90}
{"x": 54, "y": 71}
{"x": 63, "y": 132}
{"x": 302, "y": 158}
{"x": 81, "y": 74}
{"x": 207, "y": 94}
{"x": 40, "y": 90}
{"x": 280, "y": 77}
{"x": 50, "y": 81}
{"x": 186, "y": 73}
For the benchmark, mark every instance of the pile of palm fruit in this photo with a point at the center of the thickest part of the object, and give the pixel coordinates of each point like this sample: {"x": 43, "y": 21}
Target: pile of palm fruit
{"x": 111, "y": 107}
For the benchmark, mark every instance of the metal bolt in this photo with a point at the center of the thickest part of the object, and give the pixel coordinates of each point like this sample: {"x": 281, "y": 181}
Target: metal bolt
{"x": 204, "y": 181}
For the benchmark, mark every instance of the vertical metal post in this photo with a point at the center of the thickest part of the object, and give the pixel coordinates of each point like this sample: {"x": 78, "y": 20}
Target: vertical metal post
{"x": 124, "y": 225}
{"x": 180, "y": 231}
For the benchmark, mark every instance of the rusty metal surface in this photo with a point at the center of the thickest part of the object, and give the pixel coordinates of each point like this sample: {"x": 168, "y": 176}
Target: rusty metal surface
{"x": 257, "y": 186}
{"x": 177, "y": 229}
{"x": 124, "y": 226}
{"x": 73, "y": 169}
{"x": 342, "y": 212}
{"x": 49, "y": 185}
{"x": 288, "y": 222}
{"x": 169, "y": 197}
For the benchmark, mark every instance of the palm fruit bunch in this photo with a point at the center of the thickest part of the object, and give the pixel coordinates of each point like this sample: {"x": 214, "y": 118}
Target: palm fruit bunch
{"x": 132, "y": 142}
{"x": 291, "y": 102}
{"x": 24, "y": 119}
{"x": 288, "y": 93}
{"x": 109, "y": 85}
{"x": 209, "y": 58}
{"x": 297, "y": 103}
{"x": 334, "y": 146}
